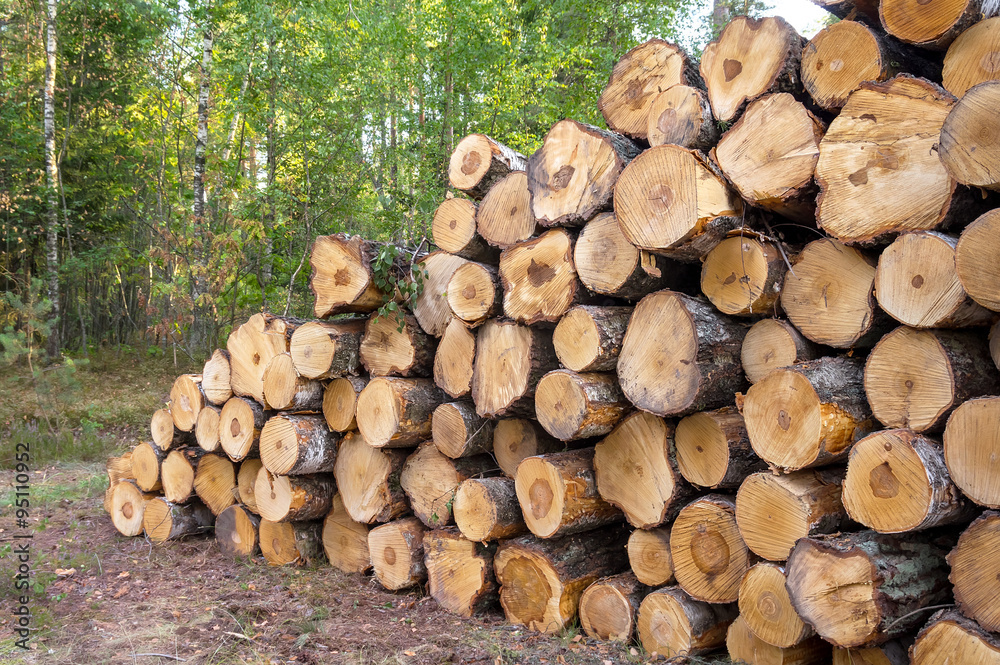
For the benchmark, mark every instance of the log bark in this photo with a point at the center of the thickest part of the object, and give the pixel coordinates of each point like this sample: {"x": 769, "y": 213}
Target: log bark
{"x": 636, "y": 471}
{"x": 915, "y": 378}
{"x": 215, "y": 482}
{"x": 478, "y": 162}
{"x": 341, "y": 279}
{"x": 950, "y": 637}
{"x": 539, "y": 279}
{"x": 751, "y": 57}
{"x": 344, "y": 540}
{"x": 252, "y": 346}
{"x": 293, "y": 498}
{"x": 215, "y": 378}
{"x": 510, "y": 360}
{"x": 431, "y": 307}
{"x": 396, "y": 413}
{"x": 572, "y": 176}
{"x": 649, "y": 556}
{"x": 862, "y": 589}
{"x": 682, "y": 115}
{"x": 487, "y": 509}
{"x": 290, "y": 543}
{"x": 368, "y": 480}
{"x": 206, "y": 430}
{"x": 672, "y": 623}
{"x": 916, "y": 283}
{"x": 849, "y": 9}
{"x": 975, "y": 571}
{"x": 474, "y": 293}
{"x": 460, "y": 574}
{"x": 713, "y": 449}
{"x": 745, "y": 647}
{"x": 573, "y": 405}
{"x": 340, "y": 400}
{"x": 972, "y": 450}
{"x": 972, "y": 58}
{"x": 177, "y": 474}
{"x": 388, "y": 351}
{"x": 236, "y": 531}
{"x": 186, "y": 401}
{"x": 809, "y": 414}
{"x": 165, "y": 434}
{"x": 459, "y": 432}
{"x": 397, "y": 551}
{"x": 515, "y": 439}
{"x": 680, "y": 356}
{"x": 504, "y": 217}
{"x": 910, "y": 22}
{"x": 297, "y": 445}
{"x": 743, "y": 275}
{"x": 127, "y": 505}
{"x": 147, "y": 459}
{"x": 246, "y": 480}
{"x": 454, "y": 360}
{"x": 772, "y": 512}
{"x": 772, "y": 344}
{"x": 286, "y": 390}
{"x": 542, "y": 580}
{"x": 609, "y": 607}
{"x": 454, "y": 231}
{"x": 671, "y": 201}
{"x": 430, "y": 480}
{"x": 163, "y": 520}
{"x": 975, "y": 260}
{"x": 588, "y": 338}
{"x": 327, "y": 349}
{"x": 240, "y": 424}
{"x": 767, "y": 610}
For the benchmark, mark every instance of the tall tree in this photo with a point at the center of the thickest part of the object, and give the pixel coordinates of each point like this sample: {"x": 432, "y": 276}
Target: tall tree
{"x": 51, "y": 177}
{"x": 198, "y": 335}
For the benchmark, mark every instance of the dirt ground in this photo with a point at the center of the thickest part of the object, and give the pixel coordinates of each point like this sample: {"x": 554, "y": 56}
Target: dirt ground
{"x": 103, "y": 598}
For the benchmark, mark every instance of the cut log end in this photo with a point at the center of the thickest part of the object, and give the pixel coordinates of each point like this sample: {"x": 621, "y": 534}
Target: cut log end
{"x": 455, "y": 359}
{"x": 672, "y": 623}
{"x": 975, "y": 260}
{"x": 649, "y": 556}
{"x": 289, "y": 543}
{"x": 186, "y": 401}
{"x": 572, "y": 405}
{"x": 215, "y": 482}
{"x": 742, "y": 276}
{"x": 708, "y": 553}
{"x": 345, "y": 541}
{"x": 972, "y": 450}
{"x": 239, "y": 427}
{"x": 950, "y": 637}
{"x": 539, "y": 279}
{"x": 215, "y": 380}
{"x": 767, "y": 610}
{"x": 236, "y": 531}
{"x": 397, "y": 552}
{"x": 515, "y": 439}
{"x": 973, "y": 58}
{"x": 340, "y": 402}
{"x": 838, "y": 59}
{"x": 505, "y": 218}
{"x": 772, "y": 344}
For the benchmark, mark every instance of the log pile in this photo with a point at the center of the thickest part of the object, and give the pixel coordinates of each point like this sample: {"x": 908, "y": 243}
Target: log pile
{"x": 656, "y": 379}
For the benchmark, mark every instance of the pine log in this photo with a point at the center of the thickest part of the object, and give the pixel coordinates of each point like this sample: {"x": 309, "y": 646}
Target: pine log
{"x": 327, "y": 349}
{"x": 975, "y": 260}
{"x": 478, "y": 162}
{"x": 177, "y": 473}
{"x": 915, "y": 378}
{"x": 147, "y": 459}
{"x": 538, "y": 278}
{"x": 397, "y": 551}
{"x": 474, "y": 293}
{"x": 972, "y": 450}
{"x": 487, "y": 509}
{"x": 742, "y": 276}
{"x": 165, "y": 434}
{"x": 297, "y": 445}
{"x": 588, "y": 338}
{"x": 772, "y": 344}
{"x": 396, "y": 413}
{"x": 767, "y": 610}
{"x": 342, "y": 279}
{"x": 682, "y": 115}
{"x": 672, "y": 623}
{"x": 430, "y": 480}
{"x": 828, "y": 296}
{"x": 515, "y": 439}
{"x": 713, "y": 449}
{"x": 572, "y": 405}
{"x": 460, "y": 574}
{"x": 649, "y": 556}
{"x": 916, "y": 283}
{"x": 236, "y": 531}
{"x": 186, "y": 401}
{"x": 293, "y": 498}
{"x": 344, "y": 540}
{"x": 251, "y": 347}
{"x": 975, "y": 571}
{"x": 707, "y": 551}
{"x": 878, "y": 171}
{"x": 949, "y": 637}
{"x": 127, "y": 505}
{"x": 454, "y": 359}
{"x": 394, "y": 345}
{"x": 510, "y": 360}
{"x": 454, "y": 231}
{"x": 572, "y": 176}
{"x": 163, "y": 520}
{"x": 246, "y": 480}
{"x": 680, "y": 356}
{"x": 890, "y": 653}
{"x": 911, "y": 22}
{"x": 746, "y": 647}
{"x": 808, "y": 414}
{"x": 542, "y": 580}
{"x": 972, "y": 58}
{"x": 290, "y": 543}
{"x": 215, "y": 378}
{"x": 459, "y": 432}
{"x": 609, "y": 607}
{"x": 431, "y": 306}
{"x": 862, "y": 589}
{"x": 841, "y": 56}
{"x": 504, "y": 217}
{"x": 215, "y": 482}
{"x": 240, "y": 424}
{"x": 206, "y": 430}
{"x": 770, "y": 156}
{"x": 751, "y": 57}
{"x": 636, "y": 471}
{"x": 671, "y": 200}
{"x": 340, "y": 400}
{"x": 286, "y": 390}
{"x": 607, "y": 263}
{"x": 368, "y": 480}
{"x": 772, "y": 511}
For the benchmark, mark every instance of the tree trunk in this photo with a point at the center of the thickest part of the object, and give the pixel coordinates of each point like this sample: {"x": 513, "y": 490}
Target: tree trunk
{"x": 345, "y": 541}
{"x": 340, "y": 400}
{"x": 397, "y": 551}
{"x": 487, "y": 509}
{"x": 147, "y": 459}
{"x": 431, "y": 307}
{"x": 236, "y": 531}
{"x": 572, "y": 405}
{"x": 327, "y": 349}
{"x": 572, "y": 176}
{"x": 478, "y": 162}
{"x": 430, "y": 480}
{"x": 290, "y": 543}
{"x": 215, "y": 482}
{"x": 538, "y": 278}
{"x": 293, "y": 498}
{"x": 165, "y": 434}
{"x": 206, "y": 430}
{"x": 199, "y": 332}
{"x": 454, "y": 231}
{"x": 742, "y": 276}
{"x": 388, "y": 351}
{"x": 972, "y": 450}
{"x": 510, "y": 360}
{"x": 396, "y": 413}
{"x": 682, "y": 115}
{"x": 950, "y": 637}
{"x": 609, "y": 606}
{"x": 515, "y": 439}
{"x": 908, "y": 21}
{"x": 862, "y": 589}
{"x": 251, "y": 348}
{"x": 975, "y": 260}
{"x": 368, "y": 480}
{"x": 679, "y": 356}
{"x": 177, "y": 474}
{"x": 215, "y": 378}
{"x": 246, "y": 480}
{"x": 767, "y": 610}
{"x": 127, "y": 505}
{"x": 454, "y": 360}
{"x": 649, "y": 556}
{"x": 975, "y": 571}
{"x": 163, "y": 520}
{"x": 672, "y": 623}
{"x": 51, "y": 181}
{"x": 713, "y": 449}
{"x": 772, "y": 344}
{"x": 460, "y": 573}
{"x": 542, "y": 580}
{"x": 240, "y": 425}
{"x": 504, "y": 217}
{"x": 772, "y": 511}
{"x": 588, "y": 338}
{"x": 342, "y": 279}
{"x": 459, "y": 432}
{"x": 297, "y": 445}
{"x": 474, "y": 293}
{"x": 746, "y": 647}
{"x": 970, "y": 59}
